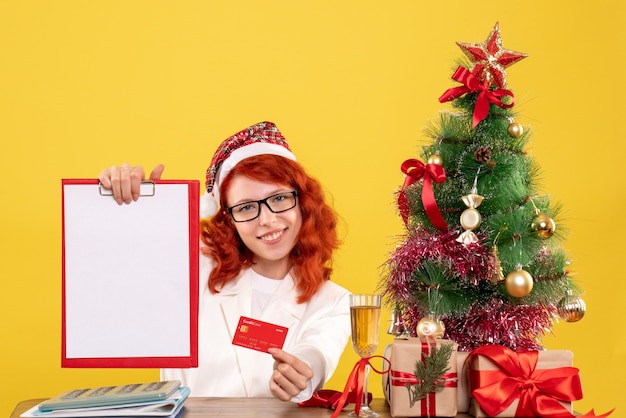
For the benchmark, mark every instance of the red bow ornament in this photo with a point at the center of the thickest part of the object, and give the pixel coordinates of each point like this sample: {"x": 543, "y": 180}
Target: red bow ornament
{"x": 538, "y": 391}
{"x": 414, "y": 171}
{"x": 472, "y": 84}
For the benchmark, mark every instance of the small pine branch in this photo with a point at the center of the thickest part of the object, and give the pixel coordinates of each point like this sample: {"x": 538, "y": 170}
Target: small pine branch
{"x": 429, "y": 373}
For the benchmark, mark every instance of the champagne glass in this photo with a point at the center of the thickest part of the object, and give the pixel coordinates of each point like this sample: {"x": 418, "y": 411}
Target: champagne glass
{"x": 365, "y": 318}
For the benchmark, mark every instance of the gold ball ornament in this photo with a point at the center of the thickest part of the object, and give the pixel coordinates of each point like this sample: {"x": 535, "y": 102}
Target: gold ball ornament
{"x": 436, "y": 159}
{"x": 515, "y": 130}
{"x": 543, "y": 225}
{"x": 518, "y": 283}
{"x": 429, "y": 326}
{"x": 571, "y": 308}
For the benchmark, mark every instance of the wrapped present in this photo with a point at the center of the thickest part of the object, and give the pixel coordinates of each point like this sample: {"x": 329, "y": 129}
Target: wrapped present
{"x": 385, "y": 376}
{"x": 504, "y": 383}
{"x": 408, "y": 391}
{"x": 462, "y": 391}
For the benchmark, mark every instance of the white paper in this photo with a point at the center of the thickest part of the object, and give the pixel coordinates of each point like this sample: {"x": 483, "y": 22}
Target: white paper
{"x": 126, "y": 273}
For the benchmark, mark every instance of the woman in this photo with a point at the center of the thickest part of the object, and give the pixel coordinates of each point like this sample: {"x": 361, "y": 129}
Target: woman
{"x": 266, "y": 254}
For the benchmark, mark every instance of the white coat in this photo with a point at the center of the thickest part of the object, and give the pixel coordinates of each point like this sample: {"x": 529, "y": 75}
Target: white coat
{"x": 318, "y": 332}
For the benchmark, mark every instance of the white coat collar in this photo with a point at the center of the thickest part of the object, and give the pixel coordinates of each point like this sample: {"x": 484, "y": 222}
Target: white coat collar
{"x": 281, "y": 309}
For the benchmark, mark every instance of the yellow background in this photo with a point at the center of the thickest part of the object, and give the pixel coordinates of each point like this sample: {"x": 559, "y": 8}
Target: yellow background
{"x": 87, "y": 84}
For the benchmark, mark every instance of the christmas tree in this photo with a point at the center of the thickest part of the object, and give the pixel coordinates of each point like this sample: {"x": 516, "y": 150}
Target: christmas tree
{"x": 481, "y": 261}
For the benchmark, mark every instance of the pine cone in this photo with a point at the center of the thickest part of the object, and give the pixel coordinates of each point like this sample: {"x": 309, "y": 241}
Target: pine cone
{"x": 482, "y": 155}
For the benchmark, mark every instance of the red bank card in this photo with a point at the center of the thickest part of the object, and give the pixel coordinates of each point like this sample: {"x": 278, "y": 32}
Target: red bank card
{"x": 259, "y": 335}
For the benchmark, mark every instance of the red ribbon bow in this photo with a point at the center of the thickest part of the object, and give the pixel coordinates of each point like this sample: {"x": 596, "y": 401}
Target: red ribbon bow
{"x": 538, "y": 391}
{"x": 329, "y": 398}
{"x": 415, "y": 170}
{"x": 355, "y": 383}
{"x": 471, "y": 84}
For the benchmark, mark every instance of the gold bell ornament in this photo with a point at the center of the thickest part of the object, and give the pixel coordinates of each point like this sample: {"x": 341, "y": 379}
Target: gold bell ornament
{"x": 396, "y": 326}
{"x": 497, "y": 276}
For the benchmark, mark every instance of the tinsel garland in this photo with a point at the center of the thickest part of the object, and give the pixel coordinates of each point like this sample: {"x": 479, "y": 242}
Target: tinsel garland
{"x": 498, "y": 322}
{"x": 489, "y": 320}
{"x": 468, "y": 262}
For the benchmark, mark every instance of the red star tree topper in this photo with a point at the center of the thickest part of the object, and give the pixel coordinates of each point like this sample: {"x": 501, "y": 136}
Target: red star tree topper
{"x": 490, "y": 58}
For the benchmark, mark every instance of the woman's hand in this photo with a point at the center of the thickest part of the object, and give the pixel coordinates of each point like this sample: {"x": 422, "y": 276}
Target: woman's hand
{"x": 125, "y": 180}
{"x": 290, "y": 376}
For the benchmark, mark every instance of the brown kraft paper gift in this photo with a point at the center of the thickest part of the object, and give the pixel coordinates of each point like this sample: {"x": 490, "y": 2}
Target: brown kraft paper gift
{"x": 403, "y": 355}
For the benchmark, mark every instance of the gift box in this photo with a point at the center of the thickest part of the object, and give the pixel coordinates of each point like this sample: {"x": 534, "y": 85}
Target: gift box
{"x": 462, "y": 390}
{"x": 385, "y": 369}
{"x": 403, "y": 354}
{"x": 504, "y": 383}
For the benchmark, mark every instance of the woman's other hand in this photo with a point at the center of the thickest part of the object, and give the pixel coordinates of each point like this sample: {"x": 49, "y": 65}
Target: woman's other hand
{"x": 125, "y": 180}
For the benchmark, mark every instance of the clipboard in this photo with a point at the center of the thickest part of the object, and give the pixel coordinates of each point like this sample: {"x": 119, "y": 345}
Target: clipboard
{"x": 130, "y": 276}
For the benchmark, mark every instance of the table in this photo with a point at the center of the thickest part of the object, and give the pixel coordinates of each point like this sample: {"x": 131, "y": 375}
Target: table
{"x": 245, "y": 407}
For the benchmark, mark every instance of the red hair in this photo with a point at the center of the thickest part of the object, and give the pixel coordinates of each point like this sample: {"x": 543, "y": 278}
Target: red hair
{"x": 312, "y": 254}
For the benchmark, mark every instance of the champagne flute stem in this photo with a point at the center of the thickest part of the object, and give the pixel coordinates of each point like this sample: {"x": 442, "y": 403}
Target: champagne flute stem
{"x": 365, "y": 399}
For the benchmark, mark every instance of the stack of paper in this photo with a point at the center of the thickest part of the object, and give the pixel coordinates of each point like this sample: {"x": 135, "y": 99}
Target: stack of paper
{"x": 114, "y": 401}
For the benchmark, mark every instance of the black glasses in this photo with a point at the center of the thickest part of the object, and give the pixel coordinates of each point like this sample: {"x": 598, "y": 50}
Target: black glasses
{"x": 277, "y": 203}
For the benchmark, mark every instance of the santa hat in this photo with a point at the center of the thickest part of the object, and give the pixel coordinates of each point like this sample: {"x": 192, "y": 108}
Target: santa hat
{"x": 262, "y": 138}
